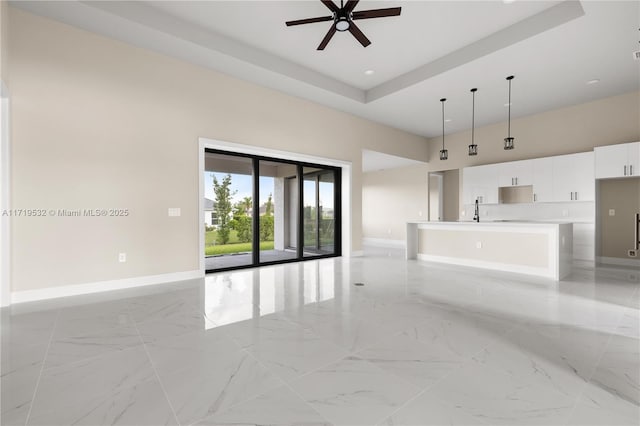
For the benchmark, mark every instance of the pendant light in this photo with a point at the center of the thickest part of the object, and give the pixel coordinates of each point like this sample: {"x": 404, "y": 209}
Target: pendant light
{"x": 508, "y": 141}
{"x": 444, "y": 154}
{"x": 473, "y": 148}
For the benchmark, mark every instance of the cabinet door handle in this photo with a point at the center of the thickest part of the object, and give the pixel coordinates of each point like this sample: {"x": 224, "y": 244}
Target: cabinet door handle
{"x": 630, "y": 169}
{"x": 516, "y": 181}
{"x": 576, "y": 195}
{"x": 572, "y": 196}
{"x": 511, "y": 181}
{"x": 625, "y": 170}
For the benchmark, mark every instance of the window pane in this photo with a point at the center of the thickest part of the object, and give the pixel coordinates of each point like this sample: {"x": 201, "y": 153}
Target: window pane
{"x": 278, "y": 211}
{"x": 228, "y": 183}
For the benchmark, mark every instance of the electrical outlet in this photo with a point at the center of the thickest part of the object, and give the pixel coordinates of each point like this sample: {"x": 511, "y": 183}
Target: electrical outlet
{"x": 174, "y": 211}
{"x": 632, "y": 253}
{"x": 122, "y": 257}
{"x": 478, "y": 244}
{"x": 612, "y": 212}
{"x": 463, "y": 213}
{"x": 420, "y": 213}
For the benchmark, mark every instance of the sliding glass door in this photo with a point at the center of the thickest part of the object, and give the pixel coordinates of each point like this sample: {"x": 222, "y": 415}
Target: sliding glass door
{"x": 261, "y": 210}
{"x": 319, "y": 211}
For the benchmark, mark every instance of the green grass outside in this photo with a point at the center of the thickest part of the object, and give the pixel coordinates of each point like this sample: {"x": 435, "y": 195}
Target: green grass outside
{"x": 233, "y": 246}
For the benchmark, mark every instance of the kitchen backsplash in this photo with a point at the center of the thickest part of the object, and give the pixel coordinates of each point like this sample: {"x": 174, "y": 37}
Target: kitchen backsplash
{"x": 577, "y": 212}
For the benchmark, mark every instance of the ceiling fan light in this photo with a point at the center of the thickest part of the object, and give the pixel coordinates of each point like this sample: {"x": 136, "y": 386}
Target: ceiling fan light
{"x": 342, "y": 24}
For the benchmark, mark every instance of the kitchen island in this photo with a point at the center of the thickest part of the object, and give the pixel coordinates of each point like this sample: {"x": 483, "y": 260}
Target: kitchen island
{"x": 535, "y": 248}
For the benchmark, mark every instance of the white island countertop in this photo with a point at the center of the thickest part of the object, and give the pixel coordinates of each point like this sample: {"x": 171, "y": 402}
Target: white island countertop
{"x": 528, "y": 247}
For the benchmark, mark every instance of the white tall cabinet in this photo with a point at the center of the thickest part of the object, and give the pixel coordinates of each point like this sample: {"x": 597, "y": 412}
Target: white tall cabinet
{"x": 615, "y": 161}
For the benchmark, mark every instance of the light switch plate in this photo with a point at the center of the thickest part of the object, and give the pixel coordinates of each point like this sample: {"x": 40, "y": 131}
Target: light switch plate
{"x": 612, "y": 212}
{"x": 479, "y": 244}
{"x": 174, "y": 211}
{"x": 122, "y": 257}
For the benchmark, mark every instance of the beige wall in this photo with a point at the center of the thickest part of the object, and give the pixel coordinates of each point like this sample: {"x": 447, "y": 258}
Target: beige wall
{"x": 616, "y": 232}
{"x": 97, "y": 123}
{"x": 392, "y": 197}
{"x": 450, "y": 195}
{"x": 577, "y": 128}
{"x": 4, "y": 30}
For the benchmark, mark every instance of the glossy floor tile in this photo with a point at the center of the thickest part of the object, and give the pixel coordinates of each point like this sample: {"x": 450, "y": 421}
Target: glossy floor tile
{"x": 299, "y": 344}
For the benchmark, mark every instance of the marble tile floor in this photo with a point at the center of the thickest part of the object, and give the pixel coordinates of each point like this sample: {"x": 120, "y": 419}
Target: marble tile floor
{"x": 299, "y": 344}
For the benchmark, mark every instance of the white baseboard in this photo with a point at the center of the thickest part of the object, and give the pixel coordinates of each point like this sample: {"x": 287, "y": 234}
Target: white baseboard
{"x": 618, "y": 261}
{"x": 384, "y": 242}
{"x": 101, "y": 286}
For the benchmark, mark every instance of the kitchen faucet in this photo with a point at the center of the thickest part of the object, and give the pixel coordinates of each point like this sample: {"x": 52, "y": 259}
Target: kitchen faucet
{"x": 476, "y": 215}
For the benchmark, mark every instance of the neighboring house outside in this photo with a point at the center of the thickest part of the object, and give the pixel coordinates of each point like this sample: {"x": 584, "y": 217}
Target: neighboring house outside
{"x": 209, "y": 215}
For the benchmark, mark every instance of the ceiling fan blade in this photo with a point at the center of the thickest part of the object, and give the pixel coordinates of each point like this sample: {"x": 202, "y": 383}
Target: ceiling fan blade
{"x": 327, "y": 38}
{"x": 331, "y": 5}
{"x": 376, "y": 13}
{"x": 351, "y": 4}
{"x": 309, "y": 20}
{"x": 353, "y": 29}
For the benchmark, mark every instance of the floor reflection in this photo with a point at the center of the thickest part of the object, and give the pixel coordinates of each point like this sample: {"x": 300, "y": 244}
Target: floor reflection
{"x": 242, "y": 295}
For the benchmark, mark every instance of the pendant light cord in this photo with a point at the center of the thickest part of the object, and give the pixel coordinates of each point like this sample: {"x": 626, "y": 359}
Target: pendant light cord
{"x": 509, "y": 122}
{"x": 473, "y": 116}
{"x": 442, "y": 100}
{"x": 509, "y": 125}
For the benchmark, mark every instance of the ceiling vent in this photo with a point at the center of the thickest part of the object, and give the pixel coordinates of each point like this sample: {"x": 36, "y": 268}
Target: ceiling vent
{"x": 636, "y": 55}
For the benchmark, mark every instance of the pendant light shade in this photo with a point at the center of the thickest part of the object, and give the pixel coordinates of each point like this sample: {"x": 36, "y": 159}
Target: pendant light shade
{"x": 508, "y": 141}
{"x": 473, "y": 148}
{"x": 444, "y": 154}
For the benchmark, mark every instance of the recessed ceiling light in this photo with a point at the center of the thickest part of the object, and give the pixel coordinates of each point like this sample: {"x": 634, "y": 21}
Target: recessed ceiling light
{"x": 594, "y": 81}
{"x": 369, "y": 72}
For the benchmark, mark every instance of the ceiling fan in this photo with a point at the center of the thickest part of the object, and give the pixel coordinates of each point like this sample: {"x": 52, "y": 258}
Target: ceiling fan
{"x": 343, "y": 18}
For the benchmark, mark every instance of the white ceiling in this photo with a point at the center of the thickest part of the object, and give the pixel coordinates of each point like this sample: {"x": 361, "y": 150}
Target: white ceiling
{"x": 434, "y": 49}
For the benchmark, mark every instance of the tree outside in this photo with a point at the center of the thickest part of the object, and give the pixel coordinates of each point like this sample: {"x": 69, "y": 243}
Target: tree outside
{"x": 222, "y": 207}
{"x": 234, "y": 229}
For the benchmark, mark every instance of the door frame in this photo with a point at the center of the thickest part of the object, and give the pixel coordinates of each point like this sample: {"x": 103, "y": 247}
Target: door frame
{"x": 440, "y": 179}
{"x": 273, "y": 154}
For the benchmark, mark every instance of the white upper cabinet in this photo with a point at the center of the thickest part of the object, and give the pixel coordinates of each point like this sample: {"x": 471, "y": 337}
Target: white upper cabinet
{"x": 617, "y": 160}
{"x": 554, "y": 179}
{"x": 481, "y": 183}
{"x": 515, "y": 173}
{"x": 634, "y": 159}
{"x": 542, "y": 180}
{"x": 573, "y": 177}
